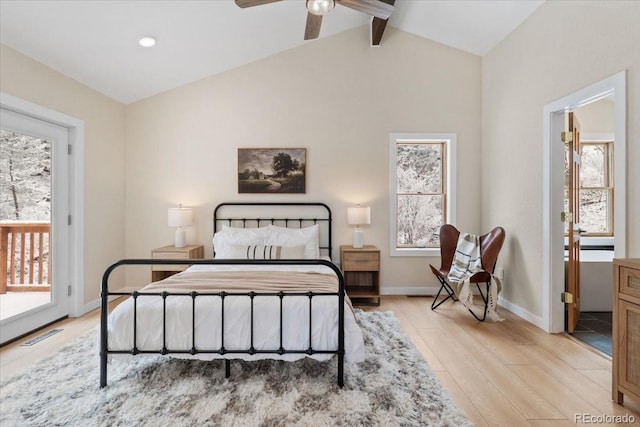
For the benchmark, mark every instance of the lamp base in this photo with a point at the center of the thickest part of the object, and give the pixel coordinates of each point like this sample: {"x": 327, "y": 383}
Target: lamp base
{"x": 358, "y": 238}
{"x": 181, "y": 238}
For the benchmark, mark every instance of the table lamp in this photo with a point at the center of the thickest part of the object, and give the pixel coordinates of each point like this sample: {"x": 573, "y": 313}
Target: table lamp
{"x": 180, "y": 217}
{"x": 360, "y": 215}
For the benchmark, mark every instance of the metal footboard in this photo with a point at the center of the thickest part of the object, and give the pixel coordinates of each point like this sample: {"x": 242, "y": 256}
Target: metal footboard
{"x": 105, "y": 294}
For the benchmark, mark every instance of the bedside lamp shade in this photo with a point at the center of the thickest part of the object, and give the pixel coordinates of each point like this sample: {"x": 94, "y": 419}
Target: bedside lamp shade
{"x": 358, "y": 216}
{"x": 180, "y": 217}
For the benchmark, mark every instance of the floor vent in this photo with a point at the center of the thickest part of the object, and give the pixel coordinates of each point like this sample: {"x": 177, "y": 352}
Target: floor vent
{"x": 39, "y": 338}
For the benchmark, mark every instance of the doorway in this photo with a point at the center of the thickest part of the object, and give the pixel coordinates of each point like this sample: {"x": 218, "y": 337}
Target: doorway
{"x": 41, "y": 237}
{"x": 614, "y": 88}
{"x": 33, "y": 230}
{"x": 590, "y": 316}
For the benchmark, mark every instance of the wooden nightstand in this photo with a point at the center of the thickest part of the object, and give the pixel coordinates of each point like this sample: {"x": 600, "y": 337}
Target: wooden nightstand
{"x": 159, "y": 272}
{"x": 361, "y": 269}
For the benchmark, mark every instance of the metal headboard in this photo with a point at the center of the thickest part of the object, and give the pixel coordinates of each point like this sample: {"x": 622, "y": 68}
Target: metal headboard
{"x": 259, "y": 214}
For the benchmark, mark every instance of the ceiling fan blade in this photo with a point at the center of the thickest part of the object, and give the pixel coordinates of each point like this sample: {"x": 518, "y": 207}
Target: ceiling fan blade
{"x": 250, "y": 3}
{"x": 377, "y": 29}
{"x": 312, "y": 30}
{"x": 378, "y": 8}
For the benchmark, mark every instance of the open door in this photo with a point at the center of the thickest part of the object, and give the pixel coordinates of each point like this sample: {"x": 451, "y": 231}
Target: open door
{"x": 572, "y": 218}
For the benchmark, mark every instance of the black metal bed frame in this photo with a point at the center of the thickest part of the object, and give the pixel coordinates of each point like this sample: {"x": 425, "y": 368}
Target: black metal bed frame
{"x": 274, "y": 220}
{"x": 105, "y": 294}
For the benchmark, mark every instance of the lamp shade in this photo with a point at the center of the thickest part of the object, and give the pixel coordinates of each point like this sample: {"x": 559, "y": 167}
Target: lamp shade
{"x": 180, "y": 217}
{"x": 359, "y": 215}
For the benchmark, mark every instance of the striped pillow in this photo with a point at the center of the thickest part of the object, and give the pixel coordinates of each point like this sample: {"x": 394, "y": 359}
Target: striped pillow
{"x": 266, "y": 252}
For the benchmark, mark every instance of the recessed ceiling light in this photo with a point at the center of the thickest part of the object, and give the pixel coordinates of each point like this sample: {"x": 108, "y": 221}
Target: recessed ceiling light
{"x": 147, "y": 41}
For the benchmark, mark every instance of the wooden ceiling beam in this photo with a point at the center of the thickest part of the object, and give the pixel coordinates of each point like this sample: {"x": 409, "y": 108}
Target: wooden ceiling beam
{"x": 378, "y": 26}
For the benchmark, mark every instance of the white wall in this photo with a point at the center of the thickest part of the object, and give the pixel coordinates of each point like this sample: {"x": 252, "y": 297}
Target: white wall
{"x": 561, "y": 48}
{"x": 596, "y": 117}
{"x": 337, "y": 97}
{"x": 103, "y": 148}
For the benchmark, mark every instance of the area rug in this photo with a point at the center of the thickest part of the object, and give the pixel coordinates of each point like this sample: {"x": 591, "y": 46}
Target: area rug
{"x": 394, "y": 386}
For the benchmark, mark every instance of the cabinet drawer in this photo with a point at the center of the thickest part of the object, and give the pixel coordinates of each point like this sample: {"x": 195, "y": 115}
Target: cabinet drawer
{"x": 360, "y": 261}
{"x": 629, "y": 281}
{"x": 170, "y": 255}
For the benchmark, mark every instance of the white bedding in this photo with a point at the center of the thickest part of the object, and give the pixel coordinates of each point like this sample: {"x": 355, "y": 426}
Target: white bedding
{"x": 237, "y": 322}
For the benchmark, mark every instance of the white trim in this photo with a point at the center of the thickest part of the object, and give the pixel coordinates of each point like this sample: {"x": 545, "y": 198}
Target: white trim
{"x": 95, "y": 304}
{"x": 521, "y": 312}
{"x": 450, "y": 143}
{"x": 552, "y": 188}
{"x": 410, "y": 290}
{"x": 415, "y": 290}
{"x": 76, "y": 178}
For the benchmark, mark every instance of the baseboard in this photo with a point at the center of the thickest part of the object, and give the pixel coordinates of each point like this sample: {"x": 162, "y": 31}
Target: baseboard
{"x": 430, "y": 291}
{"x": 521, "y": 312}
{"x": 94, "y": 305}
{"x": 415, "y": 290}
{"x": 411, "y": 290}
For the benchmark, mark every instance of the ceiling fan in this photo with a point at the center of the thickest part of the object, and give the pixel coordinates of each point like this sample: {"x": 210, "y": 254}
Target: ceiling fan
{"x": 381, "y": 10}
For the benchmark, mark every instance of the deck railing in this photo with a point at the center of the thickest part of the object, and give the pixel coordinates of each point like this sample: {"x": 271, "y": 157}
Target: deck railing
{"x": 24, "y": 256}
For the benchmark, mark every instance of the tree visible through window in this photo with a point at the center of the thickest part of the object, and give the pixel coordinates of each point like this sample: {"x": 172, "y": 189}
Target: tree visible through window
{"x": 596, "y": 188}
{"x": 419, "y": 192}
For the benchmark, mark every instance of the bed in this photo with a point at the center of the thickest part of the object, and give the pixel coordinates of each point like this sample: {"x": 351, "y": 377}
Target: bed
{"x": 271, "y": 292}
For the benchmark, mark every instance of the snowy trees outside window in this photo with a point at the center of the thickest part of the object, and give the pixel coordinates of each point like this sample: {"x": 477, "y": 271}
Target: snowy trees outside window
{"x": 25, "y": 178}
{"x": 420, "y": 194}
{"x": 25, "y": 207}
{"x": 421, "y": 191}
{"x": 596, "y": 188}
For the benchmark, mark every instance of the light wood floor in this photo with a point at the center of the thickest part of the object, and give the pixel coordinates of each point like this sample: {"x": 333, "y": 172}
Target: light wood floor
{"x": 500, "y": 374}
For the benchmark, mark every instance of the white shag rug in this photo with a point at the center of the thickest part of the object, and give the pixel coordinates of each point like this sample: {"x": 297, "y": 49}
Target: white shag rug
{"x": 394, "y": 386}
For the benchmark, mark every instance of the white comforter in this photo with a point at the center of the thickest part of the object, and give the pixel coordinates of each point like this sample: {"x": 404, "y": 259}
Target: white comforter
{"x": 237, "y": 320}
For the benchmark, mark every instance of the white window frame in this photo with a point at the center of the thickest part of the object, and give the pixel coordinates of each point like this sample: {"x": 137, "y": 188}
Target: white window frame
{"x": 449, "y": 140}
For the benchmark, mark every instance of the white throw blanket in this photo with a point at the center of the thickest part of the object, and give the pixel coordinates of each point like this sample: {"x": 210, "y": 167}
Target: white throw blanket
{"x": 466, "y": 263}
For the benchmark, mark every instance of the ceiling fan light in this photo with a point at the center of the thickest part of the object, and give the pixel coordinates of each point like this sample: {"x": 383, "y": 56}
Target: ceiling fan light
{"x": 320, "y": 7}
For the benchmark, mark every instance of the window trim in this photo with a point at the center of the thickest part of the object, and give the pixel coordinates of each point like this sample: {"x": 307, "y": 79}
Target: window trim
{"x": 609, "y": 139}
{"x": 608, "y": 186}
{"x": 449, "y": 140}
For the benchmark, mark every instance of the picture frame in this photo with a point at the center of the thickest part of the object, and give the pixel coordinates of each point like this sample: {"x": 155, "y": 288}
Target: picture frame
{"x": 272, "y": 170}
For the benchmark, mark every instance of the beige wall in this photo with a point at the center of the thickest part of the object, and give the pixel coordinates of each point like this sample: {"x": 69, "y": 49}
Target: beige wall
{"x": 103, "y": 148}
{"x": 597, "y": 117}
{"x": 561, "y": 48}
{"x": 337, "y": 97}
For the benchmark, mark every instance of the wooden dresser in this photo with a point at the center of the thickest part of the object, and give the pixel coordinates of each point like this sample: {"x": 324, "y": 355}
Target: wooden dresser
{"x": 626, "y": 329}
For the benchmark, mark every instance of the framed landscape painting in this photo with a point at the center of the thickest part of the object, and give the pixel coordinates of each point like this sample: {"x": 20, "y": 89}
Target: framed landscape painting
{"x": 271, "y": 170}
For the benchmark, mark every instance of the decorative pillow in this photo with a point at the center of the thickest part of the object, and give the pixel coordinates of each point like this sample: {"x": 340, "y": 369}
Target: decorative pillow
{"x": 223, "y": 240}
{"x": 266, "y": 252}
{"x": 308, "y": 236}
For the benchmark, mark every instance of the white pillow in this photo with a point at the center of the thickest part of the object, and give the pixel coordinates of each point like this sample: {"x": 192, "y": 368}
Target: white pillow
{"x": 266, "y": 252}
{"x": 223, "y": 240}
{"x": 308, "y": 236}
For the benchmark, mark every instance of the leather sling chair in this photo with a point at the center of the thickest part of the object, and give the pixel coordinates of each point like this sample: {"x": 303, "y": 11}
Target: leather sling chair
{"x": 490, "y": 245}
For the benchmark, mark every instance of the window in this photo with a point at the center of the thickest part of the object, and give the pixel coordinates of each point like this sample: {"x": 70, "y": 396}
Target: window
{"x": 422, "y": 171}
{"x": 596, "y": 188}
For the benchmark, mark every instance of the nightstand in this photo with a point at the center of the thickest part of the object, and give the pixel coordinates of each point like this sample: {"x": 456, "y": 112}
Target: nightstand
{"x": 159, "y": 272}
{"x": 361, "y": 269}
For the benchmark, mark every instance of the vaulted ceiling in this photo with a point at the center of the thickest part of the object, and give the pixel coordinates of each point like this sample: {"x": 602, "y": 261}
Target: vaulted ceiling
{"x": 95, "y": 41}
